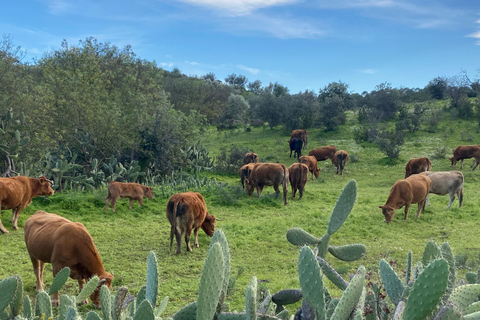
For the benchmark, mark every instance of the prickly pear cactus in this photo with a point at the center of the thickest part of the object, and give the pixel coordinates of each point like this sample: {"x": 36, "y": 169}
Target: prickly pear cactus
{"x": 43, "y": 305}
{"x": 119, "y": 300}
{"x": 332, "y": 274}
{"x": 106, "y": 303}
{"x": 427, "y": 290}
{"x": 351, "y": 296}
{"x": 251, "y": 300}
{"x": 189, "y": 312}
{"x": 27, "y": 308}
{"x": 300, "y": 237}
{"x": 311, "y": 282}
{"x": 152, "y": 279}
{"x": 408, "y": 268}
{"x": 144, "y": 311}
{"x": 391, "y": 282}
{"x": 65, "y": 303}
{"x": 92, "y": 315}
{"x": 219, "y": 237}
{"x": 8, "y": 288}
{"x": 431, "y": 252}
{"x": 343, "y": 207}
{"x": 287, "y": 296}
{"x": 349, "y": 252}
{"x": 88, "y": 289}
{"x": 463, "y": 296}
{"x": 59, "y": 280}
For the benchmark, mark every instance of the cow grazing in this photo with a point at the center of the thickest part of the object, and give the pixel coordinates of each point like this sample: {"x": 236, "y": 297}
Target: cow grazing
{"x": 250, "y": 157}
{"x": 63, "y": 243}
{"x": 323, "y": 153}
{"x": 444, "y": 182}
{"x": 301, "y": 134}
{"x": 297, "y": 175}
{"x": 417, "y": 165}
{"x": 16, "y": 193}
{"x": 311, "y": 163}
{"x": 244, "y": 172}
{"x": 186, "y": 212}
{"x": 130, "y": 190}
{"x": 405, "y": 192}
{"x": 340, "y": 159}
{"x": 466, "y": 152}
{"x": 268, "y": 174}
{"x": 296, "y": 146}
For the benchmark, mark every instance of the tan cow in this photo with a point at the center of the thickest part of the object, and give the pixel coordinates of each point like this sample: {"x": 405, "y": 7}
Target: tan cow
{"x": 466, "y": 152}
{"x": 250, "y": 157}
{"x": 297, "y": 175}
{"x": 130, "y": 190}
{"x": 405, "y": 192}
{"x": 63, "y": 243}
{"x": 340, "y": 159}
{"x": 417, "y": 165}
{"x": 301, "y": 134}
{"x": 324, "y": 153}
{"x": 244, "y": 172}
{"x": 16, "y": 193}
{"x": 311, "y": 163}
{"x": 444, "y": 182}
{"x": 268, "y": 174}
{"x": 186, "y": 212}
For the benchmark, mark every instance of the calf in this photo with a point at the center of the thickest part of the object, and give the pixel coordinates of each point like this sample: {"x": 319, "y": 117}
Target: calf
{"x": 404, "y": 192}
{"x": 297, "y": 175}
{"x": 296, "y": 146}
{"x": 186, "y": 212}
{"x": 311, "y": 163}
{"x": 244, "y": 172}
{"x": 63, "y": 243}
{"x": 301, "y": 134}
{"x": 340, "y": 159}
{"x": 250, "y": 157}
{"x": 444, "y": 182}
{"x": 323, "y": 153}
{"x": 466, "y": 152}
{"x": 417, "y": 165}
{"x": 268, "y": 174}
{"x": 130, "y": 190}
{"x": 16, "y": 193}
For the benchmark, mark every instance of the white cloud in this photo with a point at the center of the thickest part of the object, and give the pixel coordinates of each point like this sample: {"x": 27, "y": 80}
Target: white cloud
{"x": 475, "y": 35}
{"x": 251, "y": 70}
{"x": 57, "y": 6}
{"x": 367, "y": 71}
{"x": 238, "y": 7}
{"x": 167, "y": 64}
{"x": 193, "y": 63}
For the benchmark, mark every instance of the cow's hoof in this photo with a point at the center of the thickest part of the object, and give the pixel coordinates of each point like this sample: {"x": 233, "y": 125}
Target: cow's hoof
{"x": 84, "y": 301}
{"x": 15, "y": 228}
{"x": 55, "y": 303}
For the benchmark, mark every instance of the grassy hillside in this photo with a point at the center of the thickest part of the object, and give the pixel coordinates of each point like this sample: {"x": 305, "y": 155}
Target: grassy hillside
{"x": 256, "y": 228}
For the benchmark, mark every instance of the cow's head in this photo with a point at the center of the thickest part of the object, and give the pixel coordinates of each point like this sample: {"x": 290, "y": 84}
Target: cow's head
{"x": 208, "y": 224}
{"x": 388, "y": 212}
{"x": 316, "y": 172}
{"x": 105, "y": 279}
{"x": 45, "y": 188}
{"x": 148, "y": 192}
{"x": 249, "y": 186}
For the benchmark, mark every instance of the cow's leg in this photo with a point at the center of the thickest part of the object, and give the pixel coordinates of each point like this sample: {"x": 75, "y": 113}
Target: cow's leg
{"x": 113, "y": 202}
{"x": 428, "y": 200}
{"x": 187, "y": 239}
{"x": 300, "y": 189}
{"x": 195, "y": 234}
{"x": 107, "y": 200}
{"x": 140, "y": 201}
{"x": 461, "y": 164}
{"x": 460, "y": 197}
{"x": 277, "y": 190}
{"x": 38, "y": 271}
{"x": 407, "y": 206}
{"x": 130, "y": 201}
{"x": 421, "y": 206}
{"x": 15, "y": 220}
{"x": 2, "y": 228}
{"x": 14, "y": 211}
{"x": 259, "y": 191}
{"x": 476, "y": 164}
{"x": 178, "y": 239}
{"x": 452, "y": 198}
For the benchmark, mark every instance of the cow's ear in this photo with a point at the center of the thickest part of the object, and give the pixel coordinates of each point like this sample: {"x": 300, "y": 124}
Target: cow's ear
{"x": 381, "y": 207}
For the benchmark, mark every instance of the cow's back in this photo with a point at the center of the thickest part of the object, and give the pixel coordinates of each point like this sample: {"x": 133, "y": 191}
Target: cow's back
{"x": 323, "y": 153}
{"x": 268, "y": 173}
{"x": 125, "y": 189}
{"x": 445, "y": 181}
{"x": 186, "y": 208}
{"x": 420, "y": 186}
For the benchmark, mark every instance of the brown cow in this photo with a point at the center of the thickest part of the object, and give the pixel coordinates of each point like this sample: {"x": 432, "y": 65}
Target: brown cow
{"x": 268, "y": 174}
{"x": 324, "y": 153}
{"x": 16, "y": 193}
{"x": 63, "y": 243}
{"x": 298, "y": 174}
{"x": 250, "y": 157}
{"x": 417, "y": 165}
{"x": 340, "y": 159}
{"x": 404, "y": 192}
{"x": 311, "y": 163}
{"x": 130, "y": 190}
{"x": 186, "y": 212}
{"x": 466, "y": 152}
{"x": 301, "y": 134}
{"x": 244, "y": 172}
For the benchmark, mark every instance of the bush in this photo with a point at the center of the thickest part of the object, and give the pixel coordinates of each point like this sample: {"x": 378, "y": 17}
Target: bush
{"x": 230, "y": 162}
{"x": 439, "y": 153}
{"x": 390, "y": 142}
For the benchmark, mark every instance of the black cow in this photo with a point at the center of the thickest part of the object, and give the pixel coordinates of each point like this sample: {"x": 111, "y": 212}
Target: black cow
{"x": 296, "y": 145}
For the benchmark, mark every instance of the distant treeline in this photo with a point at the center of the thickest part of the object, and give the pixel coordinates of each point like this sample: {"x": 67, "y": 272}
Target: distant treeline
{"x": 94, "y": 102}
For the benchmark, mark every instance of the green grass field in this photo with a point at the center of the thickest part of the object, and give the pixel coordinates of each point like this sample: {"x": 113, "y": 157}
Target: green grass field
{"x": 256, "y": 228}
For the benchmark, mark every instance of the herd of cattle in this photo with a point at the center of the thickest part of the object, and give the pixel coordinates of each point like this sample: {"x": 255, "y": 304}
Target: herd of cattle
{"x": 50, "y": 238}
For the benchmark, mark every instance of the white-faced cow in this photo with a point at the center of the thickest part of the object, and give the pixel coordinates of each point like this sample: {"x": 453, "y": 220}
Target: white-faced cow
{"x": 16, "y": 193}
{"x": 417, "y": 165}
{"x": 324, "y": 153}
{"x": 466, "y": 152}
{"x": 311, "y": 163}
{"x": 244, "y": 172}
{"x": 296, "y": 147}
{"x": 405, "y": 192}
{"x": 297, "y": 175}
{"x": 63, "y": 243}
{"x": 268, "y": 174}
{"x": 301, "y": 134}
{"x": 447, "y": 182}
{"x": 186, "y": 212}
{"x": 132, "y": 191}
{"x": 340, "y": 159}
{"x": 250, "y": 157}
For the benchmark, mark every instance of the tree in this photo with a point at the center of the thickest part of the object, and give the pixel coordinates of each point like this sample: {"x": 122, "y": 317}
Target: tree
{"x": 236, "y": 81}
{"x": 300, "y": 110}
{"x": 437, "y": 87}
{"x": 333, "y": 99}
{"x": 255, "y": 86}
{"x": 383, "y": 102}
{"x": 235, "y": 110}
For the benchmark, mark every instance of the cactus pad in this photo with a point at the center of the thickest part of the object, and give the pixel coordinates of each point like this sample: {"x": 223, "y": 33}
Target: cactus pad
{"x": 431, "y": 252}
{"x": 311, "y": 281}
{"x": 300, "y": 237}
{"x": 391, "y": 282}
{"x": 88, "y": 289}
{"x": 464, "y": 296}
{"x": 59, "y": 280}
{"x": 144, "y": 311}
{"x": 43, "y": 305}
{"x": 189, "y": 312}
{"x": 8, "y": 287}
{"x": 349, "y": 252}
{"x": 152, "y": 279}
{"x": 92, "y": 315}
{"x": 343, "y": 207}
{"x": 287, "y": 296}
{"x": 332, "y": 274}
{"x": 350, "y": 296}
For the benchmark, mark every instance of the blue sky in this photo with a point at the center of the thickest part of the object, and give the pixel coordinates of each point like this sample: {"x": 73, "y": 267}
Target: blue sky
{"x": 299, "y": 44}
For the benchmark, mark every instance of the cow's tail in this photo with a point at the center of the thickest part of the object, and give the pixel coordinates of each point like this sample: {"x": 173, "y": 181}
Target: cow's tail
{"x": 173, "y": 221}
{"x": 285, "y": 184}
{"x": 460, "y": 194}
